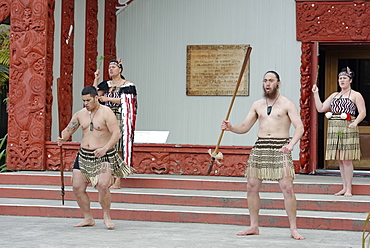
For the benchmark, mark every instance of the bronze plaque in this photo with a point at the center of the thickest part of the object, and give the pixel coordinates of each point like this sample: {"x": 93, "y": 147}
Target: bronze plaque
{"x": 213, "y": 70}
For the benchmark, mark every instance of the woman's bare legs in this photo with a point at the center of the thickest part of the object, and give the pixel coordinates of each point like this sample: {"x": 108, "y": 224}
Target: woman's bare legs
{"x": 346, "y": 172}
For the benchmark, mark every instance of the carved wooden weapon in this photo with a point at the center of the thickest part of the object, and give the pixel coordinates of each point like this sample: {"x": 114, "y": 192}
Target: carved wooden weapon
{"x": 61, "y": 173}
{"x": 59, "y": 92}
{"x": 219, "y": 155}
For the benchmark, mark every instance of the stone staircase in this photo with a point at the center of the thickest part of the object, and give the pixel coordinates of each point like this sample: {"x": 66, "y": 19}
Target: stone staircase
{"x": 201, "y": 199}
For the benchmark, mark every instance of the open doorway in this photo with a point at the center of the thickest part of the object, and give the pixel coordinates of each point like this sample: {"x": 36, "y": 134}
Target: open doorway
{"x": 332, "y": 59}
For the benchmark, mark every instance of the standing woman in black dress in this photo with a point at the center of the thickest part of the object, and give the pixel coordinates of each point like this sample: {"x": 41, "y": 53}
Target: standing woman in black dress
{"x": 120, "y": 95}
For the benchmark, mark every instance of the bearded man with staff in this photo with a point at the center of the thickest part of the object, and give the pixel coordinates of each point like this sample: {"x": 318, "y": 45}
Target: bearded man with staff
{"x": 271, "y": 158}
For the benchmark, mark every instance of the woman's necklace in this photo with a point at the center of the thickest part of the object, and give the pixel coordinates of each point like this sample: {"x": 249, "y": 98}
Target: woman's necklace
{"x": 269, "y": 108}
{"x": 342, "y": 94}
{"x": 116, "y": 87}
{"x": 92, "y": 118}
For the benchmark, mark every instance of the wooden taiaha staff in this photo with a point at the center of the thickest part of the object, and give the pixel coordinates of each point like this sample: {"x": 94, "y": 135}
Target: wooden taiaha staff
{"x": 215, "y": 155}
{"x": 59, "y": 91}
{"x": 61, "y": 174}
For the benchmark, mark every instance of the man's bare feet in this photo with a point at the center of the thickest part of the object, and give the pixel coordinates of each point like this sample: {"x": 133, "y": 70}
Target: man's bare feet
{"x": 347, "y": 194}
{"x": 117, "y": 184}
{"x": 249, "y": 231}
{"x": 109, "y": 224}
{"x": 296, "y": 235}
{"x": 114, "y": 186}
{"x": 85, "y": 223}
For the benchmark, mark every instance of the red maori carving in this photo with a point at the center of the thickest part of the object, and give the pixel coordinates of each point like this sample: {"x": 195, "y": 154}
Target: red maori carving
{"x": 110, "y": 26}
{"x": 28, "y": 102}
{"x": 165, "y": 159}
{"x": 91, "y": 43}
{"x": 4, "y": 9}
{"x": 153, "y": 163}
{"x": 188, "y": 160}
{"x": 49, "y": 69}
{"x": 53, "y": 155}
{"x": 305, "y": 105}
{"x": 333, "y": 21}
{"x": 65, "y": 87}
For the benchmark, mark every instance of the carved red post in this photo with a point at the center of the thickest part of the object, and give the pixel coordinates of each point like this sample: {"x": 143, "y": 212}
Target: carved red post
{"x": 305, "y": 106}
{"x": 66, "y": 64}
{"x": 30, "y": 98}
{"x": 49, "y": 68}
{"x": 4, "y": 9}
{"x": 91, "y": 43}
{"x": 110, "y": 26}
{"x": 313, "y": 159}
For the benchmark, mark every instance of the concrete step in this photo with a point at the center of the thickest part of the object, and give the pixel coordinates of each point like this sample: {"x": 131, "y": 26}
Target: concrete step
{"x": 172, "y": 213}
{"x": 198, "y": 199}
{"x": 315, "y": 184}
{"x": 233, "y": 199}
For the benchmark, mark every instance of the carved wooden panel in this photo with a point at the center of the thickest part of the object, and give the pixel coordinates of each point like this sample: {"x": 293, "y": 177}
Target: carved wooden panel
{"x": 65, "y": 86}
{"x": 188, "y": 160}
{"x": 333, "y": 21}
{"x": 4, "y": 9}
{"x": 306, "y": 68}
{"x": 29, "y": 91}
{"x": 167, "y": 159}
{"x": 53, "y": 155}
{"x": 110, "y": 26}
{"x": 91, "y": 43}
{"x": 49, "y": 68}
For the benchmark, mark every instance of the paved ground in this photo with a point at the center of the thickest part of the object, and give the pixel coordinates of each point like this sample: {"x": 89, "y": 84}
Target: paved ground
{"x": 42, "y": 232}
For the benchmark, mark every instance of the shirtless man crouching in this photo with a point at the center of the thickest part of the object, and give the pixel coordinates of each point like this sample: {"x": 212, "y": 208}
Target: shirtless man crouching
{"x": 96, "y": 161}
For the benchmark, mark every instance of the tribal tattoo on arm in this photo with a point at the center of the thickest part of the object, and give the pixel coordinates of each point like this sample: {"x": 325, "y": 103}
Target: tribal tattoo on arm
{"x": 73, "y": 125}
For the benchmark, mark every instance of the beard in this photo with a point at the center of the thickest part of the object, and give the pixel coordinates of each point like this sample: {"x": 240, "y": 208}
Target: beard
{"x": 272, "y": 93}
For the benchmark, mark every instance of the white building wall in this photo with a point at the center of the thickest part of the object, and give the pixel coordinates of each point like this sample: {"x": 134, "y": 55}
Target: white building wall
{"x": 152, "y": 36}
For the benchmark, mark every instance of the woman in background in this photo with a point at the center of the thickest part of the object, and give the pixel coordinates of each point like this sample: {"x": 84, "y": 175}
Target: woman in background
{"x": 120, "y": 95}
{"x": 343, "y": 143}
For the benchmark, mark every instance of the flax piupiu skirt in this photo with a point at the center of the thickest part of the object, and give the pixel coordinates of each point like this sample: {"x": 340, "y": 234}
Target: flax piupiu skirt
{"x": 343, "y": 143}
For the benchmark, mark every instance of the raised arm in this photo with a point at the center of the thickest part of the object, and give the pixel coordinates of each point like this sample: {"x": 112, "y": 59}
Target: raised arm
{"x": 96, "y": 78}
{"x": 320, "y": 107}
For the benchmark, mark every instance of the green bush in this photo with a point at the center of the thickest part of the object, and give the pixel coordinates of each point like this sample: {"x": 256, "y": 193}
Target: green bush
{"x": 4, "y": 56}
{"x": 3, "y": 154}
